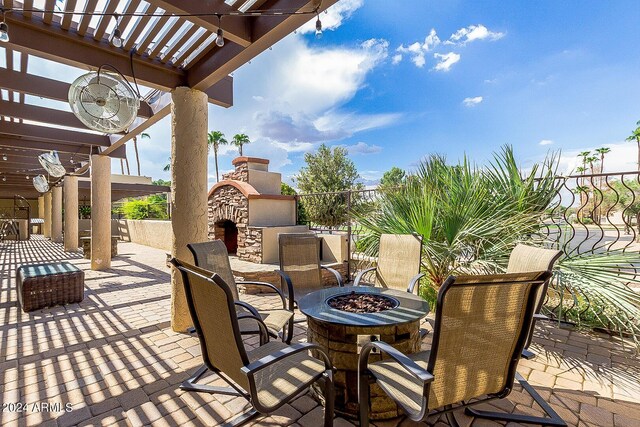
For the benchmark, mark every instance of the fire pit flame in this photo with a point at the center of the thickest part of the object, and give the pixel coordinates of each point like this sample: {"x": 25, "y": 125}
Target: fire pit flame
{"x": 362, "y": 302}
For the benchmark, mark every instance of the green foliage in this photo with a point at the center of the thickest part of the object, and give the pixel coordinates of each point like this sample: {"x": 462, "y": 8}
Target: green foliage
{"x": 152, "y": 207}
{"x": 288, "y": 190}
{"x": 239, "y": 140}
{"x": 162, "y": 182}
{"x": 394, "y": 177}
{"x": 84, "y": 211}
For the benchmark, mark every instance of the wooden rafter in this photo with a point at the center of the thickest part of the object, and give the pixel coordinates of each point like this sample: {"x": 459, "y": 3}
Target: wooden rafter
{"x": 44, "y": 133}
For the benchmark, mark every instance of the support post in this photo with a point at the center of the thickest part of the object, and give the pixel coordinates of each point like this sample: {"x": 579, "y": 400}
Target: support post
{"x": 41, "y": 207}
{"x": 56, "y": 214}
{"x": 188, "y": 188}
{"x": 47, "y": 215}
{"x": 100, "y": 212}
{"x": 70, "y": 213}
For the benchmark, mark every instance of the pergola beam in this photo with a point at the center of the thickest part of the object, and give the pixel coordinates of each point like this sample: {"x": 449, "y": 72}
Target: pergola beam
{"x": 31, "y": 144}
{"x": 40, "y": 114}
{"x": 266, "y": 31}
{"x": 46, "y": 88}
{"x": 33, "y": 36}
{"x": 44, "y": 133}
{"x": 236, "y": 28}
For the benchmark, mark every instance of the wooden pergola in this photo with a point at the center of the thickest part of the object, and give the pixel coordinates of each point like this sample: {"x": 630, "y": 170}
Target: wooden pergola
{"x": 169, "y": 48}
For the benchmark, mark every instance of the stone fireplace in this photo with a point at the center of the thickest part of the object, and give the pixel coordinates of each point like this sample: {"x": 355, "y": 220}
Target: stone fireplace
{"x": 247, "y": 211}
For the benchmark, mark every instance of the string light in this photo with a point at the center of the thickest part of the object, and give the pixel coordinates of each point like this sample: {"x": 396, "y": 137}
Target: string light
{"x": 220, "y": 33}
{"x": 4, "y": 28}
{"x": 4, "y": 157}
{"x": 27, "y": 176}
{"x": 116, "y": 39}
{"x": 318, "y": 28}
{"x": 4, "y": 179}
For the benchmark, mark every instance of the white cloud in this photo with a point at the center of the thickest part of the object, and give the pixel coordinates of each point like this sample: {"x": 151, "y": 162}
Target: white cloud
{"x": 417, "y": 50}
{"x": 621, "y": 158}
{"x": 545, "y": 142}
{"x": 362, "y": 148}
{"x": 333, "y": 17}
{"x": 472, "y": 102}
{"x": 445, "y": 61}
{"x": 472, "y": 33}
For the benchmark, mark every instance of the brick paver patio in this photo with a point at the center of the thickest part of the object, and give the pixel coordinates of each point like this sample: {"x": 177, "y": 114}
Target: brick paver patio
{"x": 115, "y": 361}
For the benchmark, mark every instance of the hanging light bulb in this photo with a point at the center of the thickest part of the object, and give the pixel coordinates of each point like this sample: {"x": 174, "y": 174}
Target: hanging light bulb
{"x": 71, "y": 161}
{"x": 220, "y": 33}
{"x": 116, "y": 39}
{"x": 318, "y": 28}
{"x": 4, "y": 179}
{"x": 4, "y": 28}
{"x": 27, "y": 176}
{"x": 4, "y": 157}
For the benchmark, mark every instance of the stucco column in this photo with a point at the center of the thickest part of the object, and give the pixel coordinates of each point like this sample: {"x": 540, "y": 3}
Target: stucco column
{"x": 47, "y": 214}
{"x": 56, "y": 214}
{"x": 71, "y": 213}
{"x": 41, "y": 207}
{"x": 100, "y": 212}
{"x": 188, "y": 188}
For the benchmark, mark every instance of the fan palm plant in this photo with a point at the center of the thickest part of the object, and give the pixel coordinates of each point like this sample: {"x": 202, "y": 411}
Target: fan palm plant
{"x": 215, "y": 139}
{"x": 635, "y": 136}
{"x": 239, "y": 140}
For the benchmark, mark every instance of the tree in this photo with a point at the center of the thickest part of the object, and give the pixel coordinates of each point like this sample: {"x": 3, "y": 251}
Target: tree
{"x": 215, "y": 139}
{"x": 635, "y": 135}
{"x": 162, "y": 182}
{"x": 602, "y": 151}
{"x": 167, "y": 167}
{"x": 394, "y": 177}
{"x": 239, "y": 140}
{"x": 135, "y": 148}
{"x": 328, "y": 171}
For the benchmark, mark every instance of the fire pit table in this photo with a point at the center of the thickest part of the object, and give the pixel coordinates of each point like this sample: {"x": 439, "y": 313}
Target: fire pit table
{"x": 341, "y": 320}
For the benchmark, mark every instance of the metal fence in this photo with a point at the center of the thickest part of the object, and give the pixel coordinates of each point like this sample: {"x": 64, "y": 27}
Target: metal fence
{"x": 590, "y": 213}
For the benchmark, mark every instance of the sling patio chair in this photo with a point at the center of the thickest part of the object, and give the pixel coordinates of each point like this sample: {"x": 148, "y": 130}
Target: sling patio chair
{"x": 398, "y": 263}
{"x": 525, "y": 258}
{"x": 213, "y": 256}
{"x": 300, "y": 269}
{"x": 481, "y": 327}
{"x": 268, "y": 376}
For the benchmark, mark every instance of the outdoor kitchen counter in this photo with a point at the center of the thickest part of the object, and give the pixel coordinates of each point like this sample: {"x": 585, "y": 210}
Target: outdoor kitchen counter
{"x": 341, "y": 334}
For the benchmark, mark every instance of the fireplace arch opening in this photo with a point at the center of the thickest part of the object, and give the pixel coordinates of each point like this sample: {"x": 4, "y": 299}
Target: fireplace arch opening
{"x": 227, "y": 231}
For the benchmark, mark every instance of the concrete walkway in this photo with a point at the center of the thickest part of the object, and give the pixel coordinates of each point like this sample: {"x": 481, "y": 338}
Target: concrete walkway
{"x": 115, "y": 361}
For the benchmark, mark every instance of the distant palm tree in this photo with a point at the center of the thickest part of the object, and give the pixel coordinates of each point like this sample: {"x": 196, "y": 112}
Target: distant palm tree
{"x": 167, "y": 167}
{"x": 239, "y": 140}
{"x": 635, "y": 135}
{"x": 135, "y": 147}
{"x": 215, "y": 140}
{"x": 602, "y": 151}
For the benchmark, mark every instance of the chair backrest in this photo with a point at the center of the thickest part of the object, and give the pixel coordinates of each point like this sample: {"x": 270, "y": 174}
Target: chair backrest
{"x": 399, "y": 259}
{"x": 481, "y": 327}
{"x": 300, "y": 260}
{"x": 525, "y": 258}
{"x": 211, "y": 305}
{"x": 212, "y": 256}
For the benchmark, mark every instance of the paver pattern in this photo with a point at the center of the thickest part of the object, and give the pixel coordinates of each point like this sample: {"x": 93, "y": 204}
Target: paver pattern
{"x": 114, "y": 360}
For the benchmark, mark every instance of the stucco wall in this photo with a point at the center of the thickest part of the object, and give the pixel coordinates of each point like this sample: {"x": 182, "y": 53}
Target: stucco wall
{"x": 271, "y": 212}
{"x": 270, "y": 252}
{"x": 265, "y": 182}
{"x": 156, "y": 234}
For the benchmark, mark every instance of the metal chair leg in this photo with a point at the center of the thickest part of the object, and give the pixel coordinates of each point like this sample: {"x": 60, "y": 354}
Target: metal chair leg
{"x": 553, "y": 420}
{"x": 190, "y": 384}
{"x": 363, "y": 398}
{"x": 242, "y": 418}
{"x": 329, "y": 398}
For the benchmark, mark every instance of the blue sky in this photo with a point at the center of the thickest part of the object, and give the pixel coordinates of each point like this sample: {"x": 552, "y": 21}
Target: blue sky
{"x": 395, "y": 81}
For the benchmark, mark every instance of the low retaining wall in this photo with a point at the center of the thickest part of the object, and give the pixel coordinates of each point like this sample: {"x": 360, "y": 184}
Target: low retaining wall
{"x": 156, "y": 234}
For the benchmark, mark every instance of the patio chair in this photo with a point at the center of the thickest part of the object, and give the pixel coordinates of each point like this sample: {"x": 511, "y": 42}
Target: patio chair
{"x": 300, "y": 269}
{"x": 481, "y": 327}
{"x": 524, "y": 259}
{"x": 268, "y": 376}
{"x": 398, "y": 264}
{"x": 212, "y": 256}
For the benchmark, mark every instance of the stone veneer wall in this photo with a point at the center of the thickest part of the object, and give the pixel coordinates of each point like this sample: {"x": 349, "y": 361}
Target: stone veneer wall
{"x": 228, "y": 203}
{"x": 240, "y": 174}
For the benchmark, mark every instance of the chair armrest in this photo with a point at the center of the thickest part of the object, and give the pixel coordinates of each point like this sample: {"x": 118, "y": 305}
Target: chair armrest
{"x": 266, "y": 285}
{"x": 272, "y": 358}
{"x": 414, "y": 281}
{"x": 361, "y": 274}
{"x": 539, "y": 316}
{"x": 251, "y": 309}
{"x": 264, "y": 331}
{"x": 335, "y": 273}
{"x": 409, "y": 365}
{"x": 290, "y": 294}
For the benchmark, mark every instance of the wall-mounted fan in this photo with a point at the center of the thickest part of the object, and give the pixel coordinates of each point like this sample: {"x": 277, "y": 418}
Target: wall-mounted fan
{"x": 51, "y": 163}
{"x": 104, "y": 101}
{"x": 41, "y": 183}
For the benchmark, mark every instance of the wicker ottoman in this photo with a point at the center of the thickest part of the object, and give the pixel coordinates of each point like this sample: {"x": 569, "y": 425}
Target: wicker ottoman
{"x": 46, "y": 285}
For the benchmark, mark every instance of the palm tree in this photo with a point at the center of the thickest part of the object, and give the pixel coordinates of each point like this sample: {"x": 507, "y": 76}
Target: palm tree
{"x": 167, "y": 167}
{"x": 215, "y": 140}
{"x": 239, "y": 140}
{"x": 135, "y": 147}
{"x": 635, "y": 135}
{"x": 602, "y": 151}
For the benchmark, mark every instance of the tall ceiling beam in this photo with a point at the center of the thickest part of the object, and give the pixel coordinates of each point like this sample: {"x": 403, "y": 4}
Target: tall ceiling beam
{"x": 236, "y": 28}
{"x": 8, "y": 143}
{"x": 46, "y": 88}
{"x": 266, "y": 31}
{"x": 40, "y": 114}
{"x": 55, "y": 135}
{"x": 33, "y": 36}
